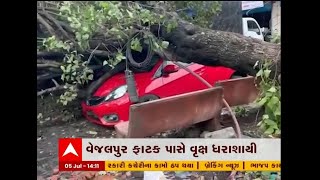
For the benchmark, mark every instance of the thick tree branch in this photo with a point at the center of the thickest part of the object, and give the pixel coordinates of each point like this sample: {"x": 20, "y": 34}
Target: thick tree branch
{"x": 49, "y": 90}
{"x": 53, "y": 63}
{"x": 56, "y": 23}
{"x": 46, "y": 25}
{"x": 47, "y": 65}
{"x": 49, "y": 55}
{"x": 191, "y": 43}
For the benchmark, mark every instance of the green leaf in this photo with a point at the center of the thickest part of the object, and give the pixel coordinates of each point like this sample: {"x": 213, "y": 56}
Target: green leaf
{"x": 263, "y": 126}
{"x": 63, "y": 77}
{"x": 119, "y": 56}
{"x": 60, "y": 44}
{"x": 274, "y": 126}
{"x": 114, "y": 30}
{"x": 64, "y": 102}
{"x": 77, "y": 25}
{"x": 259, "y": 73}
{"x": 135, "y": 45}
{"x": 130, "y": 14}
{"x": 78, "y": 79}
{"x": 104, "y": 4}
{"x": 270, "y": 130}
{"x": 68, "y": 68}
{"x": 174, "y": 24}
{"x": 269, "y": 94}
{"x": 259, "y": 124}
{"x": 156, "y": 45}
{"x": 67, "y": 77}
{"x": 85, "y": 29}
{"x": 73, "y": 25}
{"x": 85, "y": 37}
{"x": 164, "y": 44}
{"x": 273, "y": 102}
{"x": 272, "y": 89}
{"x": 90, "y": 70}
{"x": 71, "y": 57}
{"x": 114, "y": 63}
{"x": 266, "y": 173}
{"x": 69, "y": 19}
{"x": 76, "y": 62}
{"x": 265, "y": 116}
{"x": 67, "y": 47}
{"x": 90, "y": 77}
{"x": 63, "y": 68}
{"x": 65, "y": 9}
{"x": 262, "y": 101}
{"x": 78, "y": 36}
{"x": 169, "y": 28}
{"x": 267, "y": 73}
{"x": 74, "y": 68}
{"x": 277, "y": 112}
{"x": 270, "y": 122}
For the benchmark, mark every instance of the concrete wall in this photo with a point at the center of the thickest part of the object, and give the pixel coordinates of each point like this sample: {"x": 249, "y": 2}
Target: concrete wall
{"x": 276, "y": 18}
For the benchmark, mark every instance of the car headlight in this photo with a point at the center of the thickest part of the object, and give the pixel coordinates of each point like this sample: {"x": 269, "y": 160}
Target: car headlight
{"x": 117, "y": 93}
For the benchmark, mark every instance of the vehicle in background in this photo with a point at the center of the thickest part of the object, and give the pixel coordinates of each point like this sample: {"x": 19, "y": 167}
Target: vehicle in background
{"x": 230, "y": 19}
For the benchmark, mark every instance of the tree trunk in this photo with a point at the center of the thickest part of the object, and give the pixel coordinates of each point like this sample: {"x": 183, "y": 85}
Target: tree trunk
{"x": 214, "y": 48}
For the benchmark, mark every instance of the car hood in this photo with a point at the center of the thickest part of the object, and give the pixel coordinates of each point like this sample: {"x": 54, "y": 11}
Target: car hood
{"x": 110, "y": 84}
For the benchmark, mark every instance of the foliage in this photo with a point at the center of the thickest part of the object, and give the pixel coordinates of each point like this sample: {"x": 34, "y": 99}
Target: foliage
{"x": 114, "y": 19}
{"x": 270, "y": 99}
{"x": 258, "y": 175}
{"x": 276, "y": 39}
{"x": 241, "y": 111}
{"x": 203, "y": 11}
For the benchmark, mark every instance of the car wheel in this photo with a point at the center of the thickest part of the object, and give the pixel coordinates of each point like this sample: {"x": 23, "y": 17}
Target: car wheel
{"x": 149, "y": 97}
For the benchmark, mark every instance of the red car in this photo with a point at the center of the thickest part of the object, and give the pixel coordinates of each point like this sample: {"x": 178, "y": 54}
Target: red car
{"x": 110, "y": 103}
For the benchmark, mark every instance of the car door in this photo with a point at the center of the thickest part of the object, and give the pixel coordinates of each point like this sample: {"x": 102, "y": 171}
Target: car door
{"x": 181, "y": 81}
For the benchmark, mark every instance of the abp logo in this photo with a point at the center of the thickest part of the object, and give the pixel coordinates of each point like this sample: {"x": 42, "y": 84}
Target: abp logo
{"x": 70, "y": 149}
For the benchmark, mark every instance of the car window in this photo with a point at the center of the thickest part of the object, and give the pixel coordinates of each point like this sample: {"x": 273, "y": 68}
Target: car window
{"x": 252, "y": 26}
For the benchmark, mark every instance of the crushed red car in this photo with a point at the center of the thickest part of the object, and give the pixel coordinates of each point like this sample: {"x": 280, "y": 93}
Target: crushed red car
{"x": 110, "y": 103}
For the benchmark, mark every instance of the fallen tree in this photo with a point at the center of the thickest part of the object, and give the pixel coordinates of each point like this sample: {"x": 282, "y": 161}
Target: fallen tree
{"x": 192, "y": 43}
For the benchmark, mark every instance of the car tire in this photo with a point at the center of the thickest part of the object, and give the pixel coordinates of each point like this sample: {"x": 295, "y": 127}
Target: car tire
{"x": 149, "y": 97}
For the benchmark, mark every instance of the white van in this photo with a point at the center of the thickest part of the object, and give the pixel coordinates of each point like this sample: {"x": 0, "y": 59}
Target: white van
{"x": 251, "y": 28}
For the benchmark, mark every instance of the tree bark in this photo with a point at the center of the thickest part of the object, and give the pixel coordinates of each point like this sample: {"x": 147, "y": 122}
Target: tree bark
{"x": 191, "y": 43}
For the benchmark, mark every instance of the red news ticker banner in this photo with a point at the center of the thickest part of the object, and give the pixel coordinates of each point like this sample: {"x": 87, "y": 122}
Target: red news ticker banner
{"x": 70, "y": 157}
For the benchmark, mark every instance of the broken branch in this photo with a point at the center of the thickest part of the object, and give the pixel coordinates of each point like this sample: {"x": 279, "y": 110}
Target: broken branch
{"x": 42, "y": 61}
{"x": 55, "y": 83}
{"x": 49, "y": 90}
{"x": 45, "y": 24}
{"x": 54, "y": 21}
{"x": 47, "y": 65}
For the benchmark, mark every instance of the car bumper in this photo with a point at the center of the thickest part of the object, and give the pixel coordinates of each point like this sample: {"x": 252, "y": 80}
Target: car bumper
{"x": 99, "y": 114}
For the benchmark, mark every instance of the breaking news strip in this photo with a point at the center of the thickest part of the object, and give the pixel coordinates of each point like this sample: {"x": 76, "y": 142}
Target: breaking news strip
{"x": 76, "y": 154}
